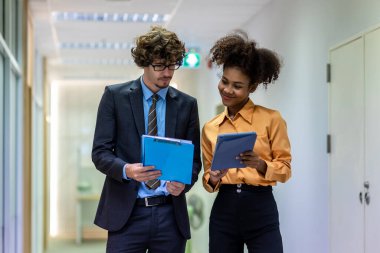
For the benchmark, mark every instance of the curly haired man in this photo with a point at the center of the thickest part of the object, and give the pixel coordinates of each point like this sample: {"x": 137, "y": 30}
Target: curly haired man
{"x": 140, "y": 212}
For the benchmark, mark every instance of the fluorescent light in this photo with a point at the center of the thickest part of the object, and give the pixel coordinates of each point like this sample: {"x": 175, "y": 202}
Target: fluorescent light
{"x": 155, "y": 17}
{"x": 135, "y": 17}
{"x": 96, "y": 45}
{"x": 145, "y": 17}
{"x": 111, "y": 17}
{"x": 118, "y": 61}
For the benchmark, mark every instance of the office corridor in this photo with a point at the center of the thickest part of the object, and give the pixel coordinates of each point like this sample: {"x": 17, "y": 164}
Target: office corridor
{"x": 56, "y": 57}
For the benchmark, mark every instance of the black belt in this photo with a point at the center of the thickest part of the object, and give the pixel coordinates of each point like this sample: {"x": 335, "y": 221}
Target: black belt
{"x": 244, "y": 187}
{"x": 154, "y": 201}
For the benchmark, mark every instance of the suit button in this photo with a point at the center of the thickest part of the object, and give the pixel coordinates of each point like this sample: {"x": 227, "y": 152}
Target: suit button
{"x": 238, "y": 185}
{"x": 238, "y": 190}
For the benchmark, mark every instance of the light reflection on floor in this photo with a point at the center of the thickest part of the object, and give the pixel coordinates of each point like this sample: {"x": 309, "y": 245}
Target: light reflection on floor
{"x": 65, "y": 246}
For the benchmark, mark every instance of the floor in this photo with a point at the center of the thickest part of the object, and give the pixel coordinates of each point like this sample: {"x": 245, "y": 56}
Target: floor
{"x": 88, "y": 246}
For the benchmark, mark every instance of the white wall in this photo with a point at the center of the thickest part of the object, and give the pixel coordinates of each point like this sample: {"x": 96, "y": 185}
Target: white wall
{"x": 302, "y": 33}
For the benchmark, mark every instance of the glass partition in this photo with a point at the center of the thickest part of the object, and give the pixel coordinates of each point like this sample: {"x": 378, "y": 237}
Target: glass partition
{"x": 2, "y": 17}
{"x": 11, "y": 127}
{"x": 1, "y": 148}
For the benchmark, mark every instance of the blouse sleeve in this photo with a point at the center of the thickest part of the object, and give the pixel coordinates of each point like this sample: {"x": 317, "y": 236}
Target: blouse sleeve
{"x": 278, "y": 168}
{"x": 207, "y": 158}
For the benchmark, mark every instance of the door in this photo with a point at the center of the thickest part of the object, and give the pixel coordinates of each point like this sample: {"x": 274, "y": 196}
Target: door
{"x": 372, "y": 140}
{"x": 346, "y": 127}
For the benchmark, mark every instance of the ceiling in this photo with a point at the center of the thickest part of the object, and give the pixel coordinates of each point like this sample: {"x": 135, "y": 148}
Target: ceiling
{"x": 197, "y": 22}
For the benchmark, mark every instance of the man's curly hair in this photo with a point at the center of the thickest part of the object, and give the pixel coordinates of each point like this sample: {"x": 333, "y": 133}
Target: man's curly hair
{"x": 262, "y": 66}
{"x": 158, "y": 43}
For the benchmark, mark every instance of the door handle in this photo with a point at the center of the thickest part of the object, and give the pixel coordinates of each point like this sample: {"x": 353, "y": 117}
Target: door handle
{"x": 367, "y": 198}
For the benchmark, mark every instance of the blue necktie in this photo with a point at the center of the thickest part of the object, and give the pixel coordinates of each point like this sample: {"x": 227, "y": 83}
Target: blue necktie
{"x": 152, "y": 130}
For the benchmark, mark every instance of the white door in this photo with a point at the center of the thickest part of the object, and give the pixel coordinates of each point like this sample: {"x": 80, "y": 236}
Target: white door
{"x": 372, "y": 140}
{"x": 346, "y": 127}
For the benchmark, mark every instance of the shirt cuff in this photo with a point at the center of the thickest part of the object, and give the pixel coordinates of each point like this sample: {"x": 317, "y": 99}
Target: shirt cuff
{"x": 125, "y": 173}
{"x": 208, "y": 187}
{"x": 163, "y": 182}
{"x": 271, "y": 169}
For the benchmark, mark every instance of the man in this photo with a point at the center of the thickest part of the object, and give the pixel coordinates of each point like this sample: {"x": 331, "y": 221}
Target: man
{"x": 140, "y": 212}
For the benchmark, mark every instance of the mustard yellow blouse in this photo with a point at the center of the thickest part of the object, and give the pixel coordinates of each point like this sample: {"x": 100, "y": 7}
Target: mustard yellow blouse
{"x": 272, "y": 145}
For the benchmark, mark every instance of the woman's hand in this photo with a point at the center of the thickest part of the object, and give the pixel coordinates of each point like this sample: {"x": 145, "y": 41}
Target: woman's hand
{"x": 251, "y": 159}
{"x": 216, "y": 176}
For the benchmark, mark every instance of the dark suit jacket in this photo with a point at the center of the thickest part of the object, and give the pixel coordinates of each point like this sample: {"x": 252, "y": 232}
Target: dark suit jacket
{"x": 117, "y": 140}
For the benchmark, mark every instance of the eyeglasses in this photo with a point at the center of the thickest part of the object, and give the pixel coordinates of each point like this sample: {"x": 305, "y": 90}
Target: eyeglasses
{"x": 162, "y": 67}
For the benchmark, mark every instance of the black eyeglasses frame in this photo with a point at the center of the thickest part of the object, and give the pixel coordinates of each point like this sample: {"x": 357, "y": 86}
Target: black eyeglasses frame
{"x": 162, "y": 67}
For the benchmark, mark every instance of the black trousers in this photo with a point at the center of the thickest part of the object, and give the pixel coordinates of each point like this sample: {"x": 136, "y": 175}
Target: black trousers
{"x": 246, "y": 215}
{"x": 149, "y": 228}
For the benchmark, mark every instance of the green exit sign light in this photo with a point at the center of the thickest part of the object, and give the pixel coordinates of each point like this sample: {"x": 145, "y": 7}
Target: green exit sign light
{"x": 191, "y": 60}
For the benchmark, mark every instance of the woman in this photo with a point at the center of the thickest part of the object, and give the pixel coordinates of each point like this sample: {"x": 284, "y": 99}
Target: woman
{"x": 244, "y": 211}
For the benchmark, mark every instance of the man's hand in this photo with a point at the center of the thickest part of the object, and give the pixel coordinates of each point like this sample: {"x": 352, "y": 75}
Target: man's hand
{"x": 140, "y": 173}
{"x": 175, "y": 188}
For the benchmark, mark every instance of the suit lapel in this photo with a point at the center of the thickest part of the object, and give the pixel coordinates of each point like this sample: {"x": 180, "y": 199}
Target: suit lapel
{"x": 171, "y": 113}
{"x": 136, "y": 96}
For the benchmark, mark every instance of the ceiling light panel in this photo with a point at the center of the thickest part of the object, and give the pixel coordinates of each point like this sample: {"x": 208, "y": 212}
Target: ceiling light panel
{"x": 96, "y": 45}
{"x": 98, "y": 61}
{"x": 111, "y": 17}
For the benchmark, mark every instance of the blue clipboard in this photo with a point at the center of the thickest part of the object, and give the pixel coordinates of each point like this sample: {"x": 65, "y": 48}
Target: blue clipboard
{"x": 229, "y": 146}
{"x": 174, "y": 157}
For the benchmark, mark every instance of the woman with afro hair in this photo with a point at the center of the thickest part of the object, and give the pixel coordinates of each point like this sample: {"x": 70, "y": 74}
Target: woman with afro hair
{"x": 245, "y": 211}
